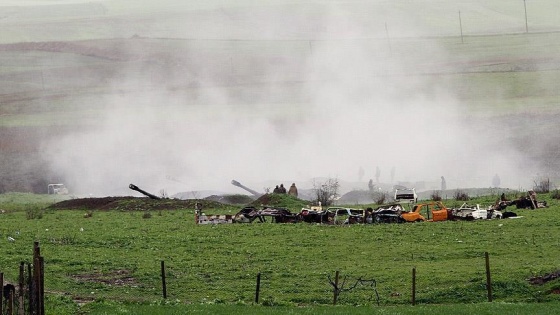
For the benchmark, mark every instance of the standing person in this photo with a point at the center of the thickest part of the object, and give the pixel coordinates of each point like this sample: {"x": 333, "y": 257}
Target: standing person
{"x": 282, "y": 189}
{"x": 496, "y": 181}
{"x": 370, "y": 185}
{"x": 293, "y": 190}
{"x": 276, "y": 190}
{"x": 443, "y": 183}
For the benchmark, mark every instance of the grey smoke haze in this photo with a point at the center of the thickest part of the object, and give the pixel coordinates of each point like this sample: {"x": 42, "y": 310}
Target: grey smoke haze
{"x": 298, "y": 111}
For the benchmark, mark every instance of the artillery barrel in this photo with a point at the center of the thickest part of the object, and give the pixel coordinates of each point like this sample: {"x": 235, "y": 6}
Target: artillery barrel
{"x": 238, "y": 184}
{"x": 145, "y": 193}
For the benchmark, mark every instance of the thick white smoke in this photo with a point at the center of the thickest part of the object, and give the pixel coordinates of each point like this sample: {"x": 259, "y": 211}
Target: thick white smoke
{"x": 299, "y": 110}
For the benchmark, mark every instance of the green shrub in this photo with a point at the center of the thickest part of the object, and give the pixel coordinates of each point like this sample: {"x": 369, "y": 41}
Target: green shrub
{"x": 34, "y": 212}
{"x": 461, "y": 195}
{"x": 435, "y": 196}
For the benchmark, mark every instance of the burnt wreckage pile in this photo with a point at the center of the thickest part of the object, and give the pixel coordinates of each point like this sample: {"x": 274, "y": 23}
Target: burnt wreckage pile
{"x": 394, "y": 213}
{"x": 432, "y": 211}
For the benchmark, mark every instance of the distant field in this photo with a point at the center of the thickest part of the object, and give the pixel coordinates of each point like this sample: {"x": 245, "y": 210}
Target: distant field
{"x": 84, "y": 20}
{"x": 512, "y": 72}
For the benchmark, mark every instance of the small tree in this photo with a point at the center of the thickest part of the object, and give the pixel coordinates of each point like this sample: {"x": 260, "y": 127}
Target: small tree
{"x": 435, "y": 196}
{"x": 380, "y": 197}
{"x": 326, "y": 192}
{"x": 461, "y": 195}
{"x": 542, "y": 185}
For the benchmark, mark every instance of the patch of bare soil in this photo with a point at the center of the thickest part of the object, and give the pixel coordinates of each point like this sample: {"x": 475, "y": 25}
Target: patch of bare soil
{"x": 265, "y": 199}
{"x": 131, "y": 204}
{"x": 538, "y": 280}
{"x": 120, "y": 277}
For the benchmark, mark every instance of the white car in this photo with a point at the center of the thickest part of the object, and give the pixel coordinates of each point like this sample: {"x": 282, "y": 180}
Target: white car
{"x": 468, "y": 212}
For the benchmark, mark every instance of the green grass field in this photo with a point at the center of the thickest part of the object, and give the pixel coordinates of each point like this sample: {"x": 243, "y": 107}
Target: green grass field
{"x": 114, "y": 257}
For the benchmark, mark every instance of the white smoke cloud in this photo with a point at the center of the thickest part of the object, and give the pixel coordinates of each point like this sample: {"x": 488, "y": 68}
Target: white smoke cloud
{"x": 356, "y": 104}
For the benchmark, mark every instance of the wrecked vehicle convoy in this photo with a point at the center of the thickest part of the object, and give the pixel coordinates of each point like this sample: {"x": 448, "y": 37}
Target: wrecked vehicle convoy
{"x": 433, "y": 212}
{"x": 439, "y": 212}
{"x": 249, "y": 214}
{"x": 394, "y": 213}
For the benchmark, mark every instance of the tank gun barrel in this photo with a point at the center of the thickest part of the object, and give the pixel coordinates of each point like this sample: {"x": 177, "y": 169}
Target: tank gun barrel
{"x": 145, "y": 193}
{"x": 238, "y": 184}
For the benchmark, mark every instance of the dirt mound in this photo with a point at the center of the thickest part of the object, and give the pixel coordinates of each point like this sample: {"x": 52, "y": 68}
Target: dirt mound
{"x": 122, "y": 277}
{"x": 357, "y": 197}
{"x": 131, "y": 204}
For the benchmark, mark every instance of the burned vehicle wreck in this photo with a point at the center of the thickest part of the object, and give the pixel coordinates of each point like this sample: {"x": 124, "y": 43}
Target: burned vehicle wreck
{"x": 277, "y": 215}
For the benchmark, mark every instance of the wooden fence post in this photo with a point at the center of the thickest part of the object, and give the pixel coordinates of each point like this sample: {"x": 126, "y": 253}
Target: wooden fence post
{"x": 163, "y": 283}
{"x": 2, "y": 296}
{"x": 38, "y": 280}
{"x": 36, "y": 285}
{"x": 10, "y": 306}
{"x": 335, "y": 291}
{"x": 21, "y": 300}
{"x": 42, "y": 282}
{"x": 414, "y": 286}
{"x": 258, "y": 289}
{"x": 30, "y": 289}
{"x": 488, "y": 280}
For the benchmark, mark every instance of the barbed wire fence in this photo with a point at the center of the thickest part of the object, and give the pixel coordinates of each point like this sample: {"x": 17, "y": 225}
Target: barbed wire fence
{"x": 315, "y": 288}
{"x": 271, "y": 288}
